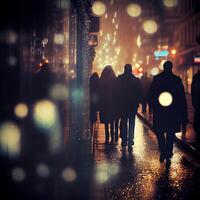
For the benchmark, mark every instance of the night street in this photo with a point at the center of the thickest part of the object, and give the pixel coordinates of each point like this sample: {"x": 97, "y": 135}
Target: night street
{"x": 100, "y": 100}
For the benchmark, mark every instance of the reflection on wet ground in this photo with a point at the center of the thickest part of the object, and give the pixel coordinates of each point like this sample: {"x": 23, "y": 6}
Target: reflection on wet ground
{"x": 139, "y": 174}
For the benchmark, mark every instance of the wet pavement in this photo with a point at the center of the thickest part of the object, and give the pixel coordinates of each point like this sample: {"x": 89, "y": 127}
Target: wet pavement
{"x": 139, "y": 175}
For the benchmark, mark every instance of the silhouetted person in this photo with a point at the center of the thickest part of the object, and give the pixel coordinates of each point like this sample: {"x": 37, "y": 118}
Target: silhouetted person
{"x": 195, "y": 90}
{"x": 116, "y": 112}
{"x": 168, "y": 115}
{"x": 145, "y": 84}
{"x": 106, "y": 88}
{"x": 129, "y": 92}
{"x": 42, "y": 82}
{"x": 94, "y": 98}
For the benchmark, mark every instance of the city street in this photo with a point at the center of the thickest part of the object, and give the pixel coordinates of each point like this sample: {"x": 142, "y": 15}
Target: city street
{"x": 70, "y": 67}
{"x": 140, "y": 175}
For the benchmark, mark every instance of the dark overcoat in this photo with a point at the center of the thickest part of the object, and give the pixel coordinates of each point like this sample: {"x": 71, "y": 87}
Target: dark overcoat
{"x": 168, "y": 119}
{"x": 195, "y": 90}
{"x": 106, "y": 97}
{"x": 129, "y": 94}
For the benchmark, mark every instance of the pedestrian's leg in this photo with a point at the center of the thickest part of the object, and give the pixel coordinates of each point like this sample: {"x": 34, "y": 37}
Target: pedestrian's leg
{"x": 106, "y": 133}
{"x": 161, "y": 145}
{"x": 131, "y": 131}
{"x": 116, "y": 129}
{"x": 169, "y": 145}
{"x": 124, "y": 131}
{"x": 112, "y": 131}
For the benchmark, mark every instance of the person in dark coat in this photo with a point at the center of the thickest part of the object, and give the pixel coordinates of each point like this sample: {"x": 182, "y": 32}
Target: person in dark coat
{"x": 106, "y": 106}
{"x": 94, "y": 98}
{"x": 168, "y": 101}
{"x": 145, "y": 84}
{"x": 129, "y": 95}
{"x": 195, "y": 91}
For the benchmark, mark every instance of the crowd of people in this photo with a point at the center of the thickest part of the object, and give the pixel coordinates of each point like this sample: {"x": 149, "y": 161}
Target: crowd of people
{"x": 117, "y": 100}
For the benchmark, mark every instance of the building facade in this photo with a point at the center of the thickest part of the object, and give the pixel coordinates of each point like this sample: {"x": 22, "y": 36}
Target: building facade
{"x": 185, "y": 36}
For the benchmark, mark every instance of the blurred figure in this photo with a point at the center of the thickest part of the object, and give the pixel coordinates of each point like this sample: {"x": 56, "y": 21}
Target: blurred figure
{"x": 145, "y": 84}
{"x": 94, "y": 98}
{"x": 170, "y": 111}
{"x": 42, "y": 81}
{"x": 106, "y": 107}
{"x": 129, "y": 94}
{"x": 195, "y": 90}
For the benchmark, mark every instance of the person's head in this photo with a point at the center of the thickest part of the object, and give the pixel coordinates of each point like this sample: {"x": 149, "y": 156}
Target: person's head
{"x": 128, "y": 68}
{"x": 167, "y": 66}
{"x": 108, "y": 72}
{"x": 94, "y": 76}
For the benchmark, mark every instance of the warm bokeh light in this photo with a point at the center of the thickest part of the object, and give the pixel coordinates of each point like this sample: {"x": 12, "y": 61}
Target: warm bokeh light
{"x": 58, "y": 39}
{"x": 69, "y": 175}
{"x": 134, "y": 10}
{"x": 59, "y": 92}
{"x": 18, "y": 174}
{"x": 43, "y": 170}
{"x": 21, "y": 110}
{"x": 98, "y": 8}
{"x": 173, "y": 51}
{"x": 165, "y": 99}
{"x": 154, "y": 71}
{"x": 161, "y": 64}
{"x": 45, "y": 114}
{"x": 10, "y": 139}
{"x": 150, "y": 26}
{"x": 11, "y": 37}
{"x": 170, "y": 3}
{"x": 139, "y": 43}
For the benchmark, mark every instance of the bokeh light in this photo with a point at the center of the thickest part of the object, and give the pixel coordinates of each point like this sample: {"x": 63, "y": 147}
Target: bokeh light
{"x": 165, "y": 99}
{"x": 59, "y": 92}
{"x": 45, "y": 114}
{"x": 58, "y": 39}
{"x": 134, "y": 10}
{"x": 98, "y": 8}
{"x": 10, "y": 139}
{"x": 77, "y": 95}
{"x": 170, "y": 3}
{"x": 43, "y": 170}
{"x": 69, "y": 175}
{"x": 18, "y": 174}
{"x": 11, "y": 37}
{"x": 12, "y": 61}
{"x": 21, "y": 110}
{"x": 162, "y": 63}
{"x": 150, "y": 26}
{"x": 102, "y": 175}
{"x": 173, "y": 51}
{"x": 104, "y": 171}
{"x": 154, "y": 71}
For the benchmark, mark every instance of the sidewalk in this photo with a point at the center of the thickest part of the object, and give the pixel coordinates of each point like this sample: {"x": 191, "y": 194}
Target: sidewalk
{"x": 187, "y": 142}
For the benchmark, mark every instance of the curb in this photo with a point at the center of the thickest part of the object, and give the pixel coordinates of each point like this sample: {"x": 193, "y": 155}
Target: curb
{"x": 180, "y": 143}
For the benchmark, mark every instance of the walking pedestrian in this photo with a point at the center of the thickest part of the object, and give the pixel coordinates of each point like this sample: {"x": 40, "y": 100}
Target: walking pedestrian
{"x": 195, "y": 90}
{"x": 94, "y": 99}
{"x": 129, "y": 94}
{"x": 145, "y": 84}
{"x": 168, "y": 100}
{"x": 106, "y": 106}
